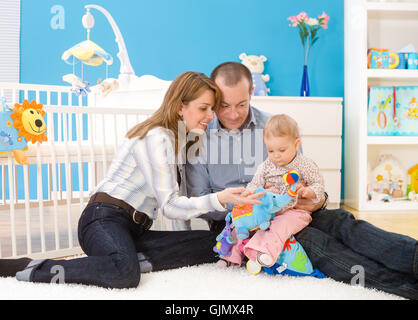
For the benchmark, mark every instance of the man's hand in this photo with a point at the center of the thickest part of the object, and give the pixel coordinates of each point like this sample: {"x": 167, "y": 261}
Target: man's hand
{"x": 305, "y": 199}
{"x": 309, "y": 205}
{"x": 305, "y": 192}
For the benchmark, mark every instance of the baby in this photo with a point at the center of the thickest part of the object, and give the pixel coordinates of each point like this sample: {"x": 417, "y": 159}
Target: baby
{"x": 282, "y": 140}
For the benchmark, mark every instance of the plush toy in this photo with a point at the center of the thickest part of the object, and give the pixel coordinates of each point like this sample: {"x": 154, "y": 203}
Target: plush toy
{"x": 413, "y": 196}
{"x": 18, "y": 126}
{"x": 413, "y": 173}
{"x": 225, "y": 241}
{"x": 79, "y": 87}
{"x": 252, "y": 217}
{"x": 293, "y": 261}
{"x": 103, "y": 88}
{"x": 256, "y": 65}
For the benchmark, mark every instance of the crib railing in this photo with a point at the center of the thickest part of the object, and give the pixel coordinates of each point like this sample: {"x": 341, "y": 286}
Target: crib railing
{"x": 41, "y": 202}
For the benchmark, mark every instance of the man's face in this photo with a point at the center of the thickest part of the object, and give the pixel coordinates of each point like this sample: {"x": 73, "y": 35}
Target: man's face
{"x": 235, "y": 106}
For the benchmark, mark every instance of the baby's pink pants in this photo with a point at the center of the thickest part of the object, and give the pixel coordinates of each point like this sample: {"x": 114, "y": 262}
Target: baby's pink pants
{"x": 270, "y": 241}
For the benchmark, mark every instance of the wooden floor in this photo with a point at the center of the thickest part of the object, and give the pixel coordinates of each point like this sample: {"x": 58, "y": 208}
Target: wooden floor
{"x": 399, "y": 222}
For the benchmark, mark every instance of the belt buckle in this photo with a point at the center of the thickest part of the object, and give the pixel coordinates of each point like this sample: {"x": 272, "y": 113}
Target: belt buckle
{"x": 133, "y": 216}
{"x": 146, "y": 222}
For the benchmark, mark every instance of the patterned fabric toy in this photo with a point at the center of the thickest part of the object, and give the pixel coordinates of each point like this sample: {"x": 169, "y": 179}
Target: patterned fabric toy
{"x": 79, "y": 87}
{"x": 247, "y": 218}
{"x": 19, "y": 126}
{"x": 293, "y": 261}
{"x": 225, "y": 240}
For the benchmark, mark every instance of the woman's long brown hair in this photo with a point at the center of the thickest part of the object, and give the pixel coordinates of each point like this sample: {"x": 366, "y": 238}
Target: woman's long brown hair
{"x": 187, "y": 87}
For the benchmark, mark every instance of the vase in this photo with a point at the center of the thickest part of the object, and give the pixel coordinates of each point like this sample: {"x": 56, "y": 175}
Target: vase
{"x": 304, "y": 88}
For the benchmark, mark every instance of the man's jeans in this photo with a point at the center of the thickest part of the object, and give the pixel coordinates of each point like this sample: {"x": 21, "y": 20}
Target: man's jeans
{"x": 343, "y": 248}
{"x": 111, "y": 240}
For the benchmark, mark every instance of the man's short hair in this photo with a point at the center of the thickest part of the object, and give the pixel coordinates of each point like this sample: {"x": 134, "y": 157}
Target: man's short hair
{"x": 232, "y": 73}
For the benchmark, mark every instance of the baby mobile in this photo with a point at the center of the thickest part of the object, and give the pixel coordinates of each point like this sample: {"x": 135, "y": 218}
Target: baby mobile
{"x": 89, "y": 53}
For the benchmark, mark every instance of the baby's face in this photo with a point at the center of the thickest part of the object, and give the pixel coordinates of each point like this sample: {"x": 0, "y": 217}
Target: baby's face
{"x": 281, "y": 150}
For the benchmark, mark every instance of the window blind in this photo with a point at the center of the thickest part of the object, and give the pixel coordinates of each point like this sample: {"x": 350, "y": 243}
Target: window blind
{"x": 9, "y": 40}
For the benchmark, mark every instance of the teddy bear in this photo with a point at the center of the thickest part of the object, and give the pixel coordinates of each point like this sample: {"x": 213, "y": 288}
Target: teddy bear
{"x": 256, "y": 65}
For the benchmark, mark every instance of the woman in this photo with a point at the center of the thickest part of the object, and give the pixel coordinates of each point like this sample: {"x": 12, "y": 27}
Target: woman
{"x": 143, "y": 177}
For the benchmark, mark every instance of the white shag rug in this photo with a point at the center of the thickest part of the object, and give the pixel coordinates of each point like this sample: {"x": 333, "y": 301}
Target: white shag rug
{"x": 204, "y": 282}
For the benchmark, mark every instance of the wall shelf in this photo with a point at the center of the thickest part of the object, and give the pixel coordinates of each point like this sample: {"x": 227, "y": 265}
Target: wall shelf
{"x": 391, "y": 7}
{"x": 400, "y": 205}
{"x": 392, "y": 140}
{"x": 392, "y": 74}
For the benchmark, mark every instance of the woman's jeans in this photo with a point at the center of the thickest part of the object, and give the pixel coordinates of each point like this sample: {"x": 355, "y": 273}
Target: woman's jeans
{"x": 111, "y": 240}
{"x": 358, "y": 253}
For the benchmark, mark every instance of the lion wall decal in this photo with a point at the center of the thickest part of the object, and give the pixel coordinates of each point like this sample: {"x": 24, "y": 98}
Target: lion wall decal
{"x": 25, "y": 123}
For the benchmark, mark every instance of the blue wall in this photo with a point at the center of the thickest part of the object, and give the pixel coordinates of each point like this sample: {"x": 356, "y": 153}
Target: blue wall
{"x": 165, "y": 38}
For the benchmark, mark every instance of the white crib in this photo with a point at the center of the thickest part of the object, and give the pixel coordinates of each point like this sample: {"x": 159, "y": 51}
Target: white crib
{"x": 41, "y": 202}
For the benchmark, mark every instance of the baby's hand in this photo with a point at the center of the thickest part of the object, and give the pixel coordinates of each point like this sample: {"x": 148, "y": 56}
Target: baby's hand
{"x": 306, "y": 192}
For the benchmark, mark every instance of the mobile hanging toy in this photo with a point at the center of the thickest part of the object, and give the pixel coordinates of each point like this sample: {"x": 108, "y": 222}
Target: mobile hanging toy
{"x": 86, "y": 52}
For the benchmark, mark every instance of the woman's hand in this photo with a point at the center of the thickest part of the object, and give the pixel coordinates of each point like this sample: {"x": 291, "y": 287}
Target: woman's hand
{"x": 239, "y": 196}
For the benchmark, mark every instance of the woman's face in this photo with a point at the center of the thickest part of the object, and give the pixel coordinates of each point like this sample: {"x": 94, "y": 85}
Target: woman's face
{"x": 198, "y": 113}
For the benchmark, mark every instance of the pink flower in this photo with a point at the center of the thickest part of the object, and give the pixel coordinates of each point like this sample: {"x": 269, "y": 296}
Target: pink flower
{"x": 323, "y": 20}
{"x": 294, "y": 21}
{"x": 324, "y": 16}
{"x": 302, "y": 16}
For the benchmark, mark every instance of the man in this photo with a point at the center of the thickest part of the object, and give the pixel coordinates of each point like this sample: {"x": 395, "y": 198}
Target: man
{"x": 343, "y": 248}
{"x": 236, "y": 131}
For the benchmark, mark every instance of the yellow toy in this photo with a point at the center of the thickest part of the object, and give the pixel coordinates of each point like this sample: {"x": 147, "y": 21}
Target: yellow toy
{"x": 88, "y": 53}
{"x": 413, "y": 172}
{"x": 19, "y": 126}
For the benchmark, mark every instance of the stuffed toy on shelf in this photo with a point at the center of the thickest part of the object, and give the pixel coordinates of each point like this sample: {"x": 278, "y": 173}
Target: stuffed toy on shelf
{"x": 256, "y": 65}
{"x": 388, "y": 179}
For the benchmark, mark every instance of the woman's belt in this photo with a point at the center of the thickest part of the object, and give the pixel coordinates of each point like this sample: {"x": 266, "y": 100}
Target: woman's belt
{"x": 138, "y": 217}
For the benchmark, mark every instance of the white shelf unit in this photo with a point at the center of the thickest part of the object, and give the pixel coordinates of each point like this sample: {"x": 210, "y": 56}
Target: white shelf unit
{"x": 389, "y": 25}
